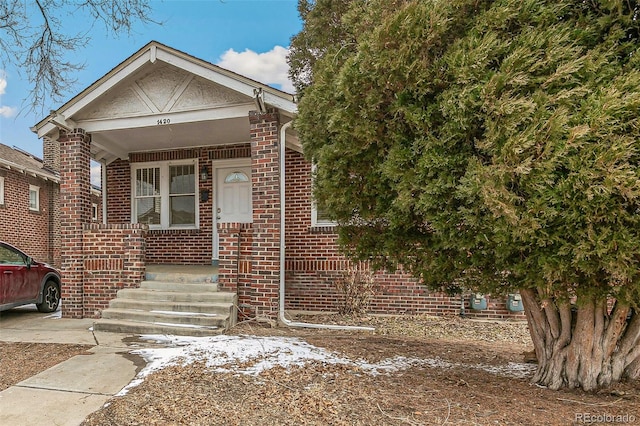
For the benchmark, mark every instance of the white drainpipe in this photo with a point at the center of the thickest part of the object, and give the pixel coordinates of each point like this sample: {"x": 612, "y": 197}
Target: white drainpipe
{"x": 281, "y": 316}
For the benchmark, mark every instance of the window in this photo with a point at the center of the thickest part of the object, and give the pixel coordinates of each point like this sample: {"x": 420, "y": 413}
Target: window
{"x": 319, "y": 216}
{"x": 236, "y": 177}
{"x": 147, "y": 196}
{"x": 94, "y": 211}
{"x": 11, "y": 257}
{"x": 34, "y": 198}
{"x": 164, "y": 195}
{"x": 182, "y": 195}
{"x": 1, "y": 190}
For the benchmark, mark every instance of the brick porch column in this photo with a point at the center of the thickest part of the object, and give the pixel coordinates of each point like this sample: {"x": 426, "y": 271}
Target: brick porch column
{"x": 75, "y": 211}
{"x": 265, "y": 269}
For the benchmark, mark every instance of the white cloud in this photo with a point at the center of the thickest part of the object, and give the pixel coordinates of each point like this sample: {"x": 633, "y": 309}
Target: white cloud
{"x": 270, "y": 67}
{"x": 8, "y": 112}
{"x": 96, "y": 174}
{"x": 5, "y": 111}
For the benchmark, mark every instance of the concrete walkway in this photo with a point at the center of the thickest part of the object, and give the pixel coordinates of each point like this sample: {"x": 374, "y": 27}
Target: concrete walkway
{"x": 68, "y": 392}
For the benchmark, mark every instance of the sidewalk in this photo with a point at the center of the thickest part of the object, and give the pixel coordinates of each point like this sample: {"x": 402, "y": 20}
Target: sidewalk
{"x": 68, "y": 392}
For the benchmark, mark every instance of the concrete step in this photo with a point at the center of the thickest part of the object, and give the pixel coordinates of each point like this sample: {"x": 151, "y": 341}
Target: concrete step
{"x": 175, "y": 296}
{"x": 182, "y": 273}
{"x": 167, "y": 317}
{"x": 174, "y": 299}
{"x": 137, "y": 327}
{"x": 183, "y": 287}
{"x": 221, "y": 308}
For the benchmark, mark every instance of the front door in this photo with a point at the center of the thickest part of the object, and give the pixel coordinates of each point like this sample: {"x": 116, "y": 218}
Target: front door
{"x": 233, "y": 200}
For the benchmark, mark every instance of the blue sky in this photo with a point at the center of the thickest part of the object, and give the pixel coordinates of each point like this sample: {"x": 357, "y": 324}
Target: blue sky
{"x": 247, "y": 36}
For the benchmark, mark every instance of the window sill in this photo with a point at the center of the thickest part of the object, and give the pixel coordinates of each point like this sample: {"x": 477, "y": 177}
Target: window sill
{"x": 323, "y": 229}
{"x": 174, "y": 231}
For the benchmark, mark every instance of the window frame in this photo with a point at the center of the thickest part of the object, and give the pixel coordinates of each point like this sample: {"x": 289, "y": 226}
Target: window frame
{"x": 36, "y": 189}
{"x": 165, "y": 193}
{"x": 315, "y": 222}
{"x": 1, "y": 190}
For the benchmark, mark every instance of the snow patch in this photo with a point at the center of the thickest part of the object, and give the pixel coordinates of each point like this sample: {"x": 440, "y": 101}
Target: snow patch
{"x": 254, "y": 354}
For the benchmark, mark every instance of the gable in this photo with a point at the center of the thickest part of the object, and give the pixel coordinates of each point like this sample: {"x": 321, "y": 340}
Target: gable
{"x": 160, "y": 88}
{"x": 162, "y": 98}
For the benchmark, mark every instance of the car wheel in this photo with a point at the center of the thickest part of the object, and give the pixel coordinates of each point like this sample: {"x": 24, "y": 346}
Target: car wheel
{"x": 50, "y": 297}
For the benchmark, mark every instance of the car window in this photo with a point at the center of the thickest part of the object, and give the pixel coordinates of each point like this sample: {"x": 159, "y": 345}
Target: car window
{"x": 8, "y": 256}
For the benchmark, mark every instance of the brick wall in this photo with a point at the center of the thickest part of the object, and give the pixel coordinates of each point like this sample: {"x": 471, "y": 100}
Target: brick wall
{"x": 235, "y": 264}
{"x": 265, "y": 189}
{"x": 113, "y": 259}
{"x": 51, "y": 154}
{"x": 185, "y": 246}
{"x": 75, "y": 212}
{"x": 30, "y": 231}
{"x": 314, "y": 263}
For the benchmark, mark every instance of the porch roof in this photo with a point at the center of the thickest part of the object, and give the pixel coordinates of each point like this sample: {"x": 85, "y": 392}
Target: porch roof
{"x": 161, "y": 98}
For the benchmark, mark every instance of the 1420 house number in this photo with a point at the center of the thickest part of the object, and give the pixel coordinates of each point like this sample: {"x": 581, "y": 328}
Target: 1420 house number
{"x": 163, "y": 121}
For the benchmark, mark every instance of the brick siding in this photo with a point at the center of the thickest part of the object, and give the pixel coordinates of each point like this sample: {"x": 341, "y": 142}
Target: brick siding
{"x": 314, "y": 264}
{"x": 113, "y": 259}
{"x": 30, "y": 231}
{"x": 265, "y": 279}
{"x": 75, "y": 212}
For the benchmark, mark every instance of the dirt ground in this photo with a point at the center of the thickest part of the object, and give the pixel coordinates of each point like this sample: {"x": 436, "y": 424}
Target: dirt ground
{"x": 19, "y": 361}
{"x": 473, "y": 383}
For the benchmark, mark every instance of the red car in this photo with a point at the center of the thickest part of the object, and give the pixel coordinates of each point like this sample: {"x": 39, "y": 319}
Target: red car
{"x": 24, "y": 281}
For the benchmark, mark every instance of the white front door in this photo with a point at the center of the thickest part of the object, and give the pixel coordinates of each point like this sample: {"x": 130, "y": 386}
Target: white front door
{"x": 233, "y": 195}
{"x": 233, "y": 199}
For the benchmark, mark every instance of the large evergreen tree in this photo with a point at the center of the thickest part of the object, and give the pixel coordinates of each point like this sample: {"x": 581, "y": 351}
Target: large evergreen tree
{"x": 491, "y": 146}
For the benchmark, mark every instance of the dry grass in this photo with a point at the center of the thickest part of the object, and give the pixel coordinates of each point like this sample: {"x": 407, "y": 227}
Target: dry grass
{"x": 327, "y": 394}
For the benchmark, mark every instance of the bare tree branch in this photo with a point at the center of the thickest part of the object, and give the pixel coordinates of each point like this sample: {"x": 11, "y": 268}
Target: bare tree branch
{"x": 35, "y": 39}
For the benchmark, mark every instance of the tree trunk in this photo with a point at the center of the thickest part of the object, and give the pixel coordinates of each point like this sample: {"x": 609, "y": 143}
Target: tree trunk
{"x": 584, "y": 345}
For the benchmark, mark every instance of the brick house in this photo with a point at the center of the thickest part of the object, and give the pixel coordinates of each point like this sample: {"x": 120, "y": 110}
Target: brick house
{"x": 193, "y": 158}
{"x": 29, "y": 202}
{"x": 28, "y": 194}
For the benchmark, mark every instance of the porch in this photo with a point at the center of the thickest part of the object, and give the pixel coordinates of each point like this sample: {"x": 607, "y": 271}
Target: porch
{"x": 190, "y": 167}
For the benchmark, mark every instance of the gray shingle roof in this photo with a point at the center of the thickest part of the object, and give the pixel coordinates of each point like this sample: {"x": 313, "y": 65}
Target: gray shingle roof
{"x": 24, "y": 162}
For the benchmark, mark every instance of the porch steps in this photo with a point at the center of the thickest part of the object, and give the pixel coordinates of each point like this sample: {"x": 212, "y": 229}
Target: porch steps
{"x": 174, "y": 300}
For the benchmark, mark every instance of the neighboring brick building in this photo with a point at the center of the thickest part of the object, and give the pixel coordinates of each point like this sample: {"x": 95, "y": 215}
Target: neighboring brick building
{"x": 194, "y": 158}
{"x": 30, "y": 202}
{"x": 28, "y": 194}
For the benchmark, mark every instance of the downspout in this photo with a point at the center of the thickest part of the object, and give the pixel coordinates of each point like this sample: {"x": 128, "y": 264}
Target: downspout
{"x": 281, "y": 316}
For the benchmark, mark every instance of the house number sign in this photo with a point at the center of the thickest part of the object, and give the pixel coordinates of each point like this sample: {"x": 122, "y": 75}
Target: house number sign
{"x": 163, "y": 121}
